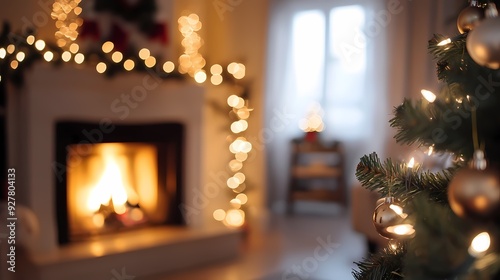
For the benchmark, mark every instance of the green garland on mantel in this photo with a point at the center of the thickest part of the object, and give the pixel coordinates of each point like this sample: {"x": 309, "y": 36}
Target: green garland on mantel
{"x": 18, "y": 43}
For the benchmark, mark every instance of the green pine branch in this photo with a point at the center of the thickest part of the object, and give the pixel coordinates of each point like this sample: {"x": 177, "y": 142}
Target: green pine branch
{"x": 439, "y": 248}
{"x": 390, "y": 179}
{"x": 386, "y": 264}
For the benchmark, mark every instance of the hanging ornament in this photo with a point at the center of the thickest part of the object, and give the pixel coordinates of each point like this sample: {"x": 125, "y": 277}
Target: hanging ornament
{"x": 483, "y": 42}
{"x": 474, "y": 192}
{"x": 389, "y": 220}
{"x": 470, "y": 17}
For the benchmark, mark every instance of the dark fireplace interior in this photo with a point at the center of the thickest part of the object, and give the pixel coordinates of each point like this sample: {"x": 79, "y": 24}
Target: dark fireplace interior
{"x": 116, "y": 177}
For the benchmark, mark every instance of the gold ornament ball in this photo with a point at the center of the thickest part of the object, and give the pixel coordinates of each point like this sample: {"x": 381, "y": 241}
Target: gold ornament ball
{"x": 475, "y": 193}
{"x": 469, "y": 18}
{"x": 388, "y": 216}
{"x": 483, "y": 43}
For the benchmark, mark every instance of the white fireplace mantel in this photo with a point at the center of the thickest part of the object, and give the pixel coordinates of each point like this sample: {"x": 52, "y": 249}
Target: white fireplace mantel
{"x": 53, "y": 94}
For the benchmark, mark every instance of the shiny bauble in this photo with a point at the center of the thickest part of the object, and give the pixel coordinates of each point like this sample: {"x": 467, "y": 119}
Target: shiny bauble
{"x": 475, "y": 194}
{"x": 389, "y": 220}
{"x": 469, "y": 18}
{"x": 483, "y": 43}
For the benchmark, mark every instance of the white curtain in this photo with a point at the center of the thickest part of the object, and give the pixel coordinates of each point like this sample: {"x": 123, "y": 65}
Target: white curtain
{"x": 397, "y": 66}
{"x": 286, "y": 103}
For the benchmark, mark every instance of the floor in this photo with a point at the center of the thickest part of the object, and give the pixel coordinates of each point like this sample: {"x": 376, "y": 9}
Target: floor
{"x": 303, "y": 246}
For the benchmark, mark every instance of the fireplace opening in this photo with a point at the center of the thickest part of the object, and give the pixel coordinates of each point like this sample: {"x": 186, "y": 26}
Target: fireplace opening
{"x": 130, "y": 178}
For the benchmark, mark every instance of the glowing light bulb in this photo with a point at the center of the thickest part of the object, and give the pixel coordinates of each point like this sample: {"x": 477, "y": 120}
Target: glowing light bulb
{"x": 242, "y": 197}
{"x": 74, "y": 48}
{"x": 219, "y": 215}
{"x": 216, "y": 69}
{"x": 66, "y": 56}
{"x": 480, "y": 244}
{"x": 79, "y": 58}
{"x": 428, "y": 95}
{"x": 168, "y": 67}
{"x": 40, "y": 45}
{"x": 216, "y": 80}
{"x": 235, "y": 218}
{"x": 48, "y": 56}
{"x": 11, "y": 48}
{"x": 411, "y": 163}
{"x": 404, "y": 229}
{"x": 129, "y": 64}
{"x": 431, "y": 150}
{"x": 20, "y": 56}
{"x": 144, "y": 53}
{"x": 30, "y": 39}
{"x": 117, "y": 56}
{"x": 444, "y": 42}
{"x": 14, "y": 64}
{"x": 150, "y": 61}
{"x": 107, "y": 47}
{"x": 101, "y": 67}
{"x": 200, "y": 76}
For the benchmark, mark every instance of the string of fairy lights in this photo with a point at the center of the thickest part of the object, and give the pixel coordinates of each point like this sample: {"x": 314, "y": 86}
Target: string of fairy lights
{"x": 191, "y": 63}
{"x": 239, "y": 147}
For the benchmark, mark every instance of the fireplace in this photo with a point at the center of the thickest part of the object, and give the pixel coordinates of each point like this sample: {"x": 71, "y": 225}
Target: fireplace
{"x": 117, "y": 177}
{"x": 93, "y": 111}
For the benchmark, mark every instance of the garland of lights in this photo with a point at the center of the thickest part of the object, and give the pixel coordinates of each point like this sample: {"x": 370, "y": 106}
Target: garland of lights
{"x": 19, "y": 54}
{"x": 239, "y": 147}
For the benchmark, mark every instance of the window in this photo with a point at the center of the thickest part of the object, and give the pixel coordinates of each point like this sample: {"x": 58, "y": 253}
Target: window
{"x": 321, "y": 53}
{"x": 329, "y": 66}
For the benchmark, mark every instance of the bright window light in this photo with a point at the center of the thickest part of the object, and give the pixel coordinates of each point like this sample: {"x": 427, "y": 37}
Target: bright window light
{"x": 308, "y": 52}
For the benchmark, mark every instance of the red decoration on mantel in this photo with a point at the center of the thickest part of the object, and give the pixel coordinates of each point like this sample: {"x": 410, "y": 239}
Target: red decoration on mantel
{"x": 311, "y": 136}
{"x": 90, "y": 30}
{"x": 119, "y": 38}
{"x": 159, "y": 32}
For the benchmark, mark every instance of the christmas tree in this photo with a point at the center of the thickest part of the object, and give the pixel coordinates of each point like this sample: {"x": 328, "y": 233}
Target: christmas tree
{"x": 445, "y": 224}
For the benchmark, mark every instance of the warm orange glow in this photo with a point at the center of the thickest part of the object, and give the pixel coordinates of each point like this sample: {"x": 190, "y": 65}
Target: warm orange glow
{"x": 240, "y": 176}
{"x": 144, "y": 53}
{"x": 39, "y": 45}
{"x": 236, "y": 203}
{"x": 79, "y": 58}
{"x": 216, "y": 80}
{"x": 480, "y": 244}
{"x": 242, "y": 197}
{"x": 20, "y": 56}
{"x": 428, "y": 95}
{"x": 30, "y": 39}
{"x": 74, "y": 48}
{"x": 235, "y": 218}
{"x": 200, "y": 76}
{"x": 403, "y": 230}
{"x": 168, "y": 66}
{"x": 219, "y": 215}
{"x": 110, "y": 187}
{"x": 48, "y": 56}
{"x": 129, "y": 64}
{"x": 66, "y": 56}
{"x": 101, "y": 67}
{"x": 411, "y": 163}
{"x": 11, "y": 48}
{"x": 150, "y": 61}
{"x": 113, "y": 181}
{"x": 233, "y": 183}
{"x": 117, "y": 56}
{"x": 235, "y": 165}
{"x": 107, "y": 47}
{"x": 14, "y": 64}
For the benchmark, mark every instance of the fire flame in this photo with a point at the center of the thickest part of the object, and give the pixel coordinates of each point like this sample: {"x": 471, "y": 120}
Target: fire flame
{"x": 111, "y": 187}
